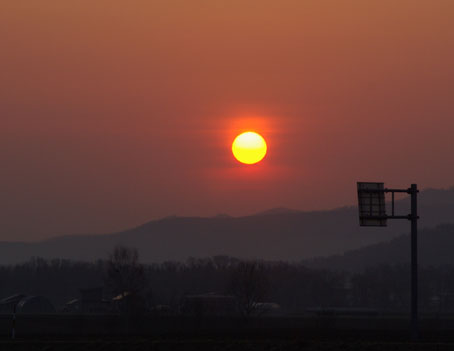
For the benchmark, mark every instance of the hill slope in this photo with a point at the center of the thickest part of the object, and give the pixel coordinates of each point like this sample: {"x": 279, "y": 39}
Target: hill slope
{"x": 435, "y": 248}
{"x": 279, "y": 234}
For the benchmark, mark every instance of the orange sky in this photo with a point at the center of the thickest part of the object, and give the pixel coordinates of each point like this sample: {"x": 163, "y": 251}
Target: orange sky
{"x": 114, "y": 113}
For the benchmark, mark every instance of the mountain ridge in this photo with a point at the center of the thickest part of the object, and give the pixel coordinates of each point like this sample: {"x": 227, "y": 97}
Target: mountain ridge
{"x": 436, "y": 248}
{"x": 275, "y": 234}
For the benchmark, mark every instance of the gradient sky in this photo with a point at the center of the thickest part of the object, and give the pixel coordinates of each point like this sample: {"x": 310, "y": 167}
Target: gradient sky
{"x": 113, "y": 113}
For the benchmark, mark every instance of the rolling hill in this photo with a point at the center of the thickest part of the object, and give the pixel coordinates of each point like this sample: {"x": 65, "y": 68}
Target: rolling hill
{"x": 278, "y": 234}
{"x": 435, "y": 248}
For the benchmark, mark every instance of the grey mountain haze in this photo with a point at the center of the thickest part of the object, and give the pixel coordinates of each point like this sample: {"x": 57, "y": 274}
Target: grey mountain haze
{"x": 435, "y": 248}
{"x": 276, "y": 234}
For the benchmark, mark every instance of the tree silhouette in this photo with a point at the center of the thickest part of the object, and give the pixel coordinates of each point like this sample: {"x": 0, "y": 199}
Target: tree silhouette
{"x": 249, "y": 285}
{"x": 126, "y": 278}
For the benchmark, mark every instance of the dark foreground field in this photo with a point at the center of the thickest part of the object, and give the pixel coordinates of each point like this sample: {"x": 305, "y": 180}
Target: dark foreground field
{"x": 72, "y": 332}
{"x": 221, "y": 344}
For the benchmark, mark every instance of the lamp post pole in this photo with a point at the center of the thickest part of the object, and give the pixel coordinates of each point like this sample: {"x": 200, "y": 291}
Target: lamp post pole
{"x": 414, "y": 261}
{"x": 372, "y": 212}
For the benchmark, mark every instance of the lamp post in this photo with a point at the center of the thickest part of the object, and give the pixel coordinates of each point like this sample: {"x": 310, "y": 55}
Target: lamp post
{"x": 372, "y": 212}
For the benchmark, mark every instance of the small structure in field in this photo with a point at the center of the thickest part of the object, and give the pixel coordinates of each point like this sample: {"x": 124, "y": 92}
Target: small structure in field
{"x": 267, "y": 309}
{"x": 90, "y": 302}
{"x": 210, "y": 304}
{"x": 23, "y": 304}
{"x": 35, "y": 305}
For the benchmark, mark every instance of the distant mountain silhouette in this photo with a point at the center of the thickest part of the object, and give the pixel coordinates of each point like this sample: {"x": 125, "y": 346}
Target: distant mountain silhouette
{"x": 277, "y": 210}
{"x": 436, "y": 247}
{"x": 278, "y": 234}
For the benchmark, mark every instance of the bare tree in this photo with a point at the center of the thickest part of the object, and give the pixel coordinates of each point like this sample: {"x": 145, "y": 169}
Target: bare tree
{"x": 249, "y": 285}
{"x": 126, "y": 278}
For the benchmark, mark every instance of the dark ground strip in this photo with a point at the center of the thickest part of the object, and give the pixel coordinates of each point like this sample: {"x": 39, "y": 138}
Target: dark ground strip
{"x": 220, "y": 345}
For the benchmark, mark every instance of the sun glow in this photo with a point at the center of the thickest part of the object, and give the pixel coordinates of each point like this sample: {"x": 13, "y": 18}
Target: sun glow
{"x": 249, "y": 148}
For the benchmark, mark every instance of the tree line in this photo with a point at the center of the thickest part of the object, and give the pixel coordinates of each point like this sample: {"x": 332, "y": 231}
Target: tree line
{"x": 293, "y": 286}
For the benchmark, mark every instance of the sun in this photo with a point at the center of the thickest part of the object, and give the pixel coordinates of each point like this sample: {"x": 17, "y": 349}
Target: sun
{"x": 249, "y": 148}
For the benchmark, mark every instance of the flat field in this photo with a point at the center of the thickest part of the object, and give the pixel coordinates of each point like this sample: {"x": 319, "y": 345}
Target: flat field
{"x": 202, "y": 344}
{"x": 102, "y": 332}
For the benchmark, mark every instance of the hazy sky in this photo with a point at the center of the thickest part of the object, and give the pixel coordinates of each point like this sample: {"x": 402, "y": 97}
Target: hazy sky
{"x": 117, "y": 112}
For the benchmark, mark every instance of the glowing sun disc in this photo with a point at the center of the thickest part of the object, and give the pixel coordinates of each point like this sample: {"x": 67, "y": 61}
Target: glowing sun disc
{"x": 249, "y": 148}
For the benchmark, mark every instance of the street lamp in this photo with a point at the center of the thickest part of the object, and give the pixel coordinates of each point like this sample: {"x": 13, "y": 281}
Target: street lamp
{"x": 372, "y": 212}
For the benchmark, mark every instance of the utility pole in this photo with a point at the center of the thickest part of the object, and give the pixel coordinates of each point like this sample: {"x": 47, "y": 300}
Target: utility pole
{"x": 414, "y": 261}
{"x": 372, "y": 213}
